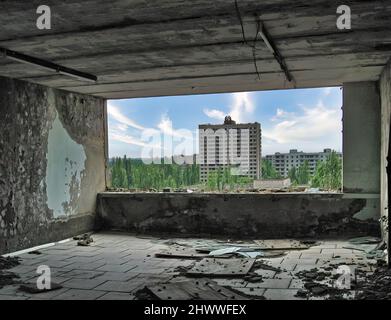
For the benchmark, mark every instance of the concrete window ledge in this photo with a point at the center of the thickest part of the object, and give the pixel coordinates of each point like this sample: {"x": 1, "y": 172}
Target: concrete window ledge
{"x": 274, "y": 215}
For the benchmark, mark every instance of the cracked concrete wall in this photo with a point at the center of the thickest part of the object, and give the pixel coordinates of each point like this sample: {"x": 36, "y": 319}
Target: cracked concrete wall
{"x": 52, "y": 163}
{"x": 385, "y": 96}
{"x": 361, "y": 145}
{"x": 236, "y": 215}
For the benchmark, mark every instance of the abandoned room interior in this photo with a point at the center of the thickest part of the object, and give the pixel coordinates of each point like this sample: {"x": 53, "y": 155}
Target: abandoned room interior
{"x": 66, "y": 233}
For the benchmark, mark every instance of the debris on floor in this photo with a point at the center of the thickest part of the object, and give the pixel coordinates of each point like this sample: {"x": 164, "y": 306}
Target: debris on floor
{"x": 188, "y": 268}
{"x": 221, "y": 267}
{"x": 35, "y": 252}
{"x": 194, "y": 249}
{"x": 320, "y": 283}
{"x": 33, "y": 288}
{"x": 282, "y": 244}
{"x": 181, "y": 252}
{"x": 247, "y": 252}
{"x": 8, "y": 262}
{"x": 189, "y": 290}
{"x": 7, "y": 278}
{"x": 260, "y": 264}
{"x": 376, "y": 286}
{"x": 84, "y": 240}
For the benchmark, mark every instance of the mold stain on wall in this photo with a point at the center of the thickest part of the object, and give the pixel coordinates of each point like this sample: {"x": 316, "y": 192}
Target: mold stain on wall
{"x": 64, "y": 172}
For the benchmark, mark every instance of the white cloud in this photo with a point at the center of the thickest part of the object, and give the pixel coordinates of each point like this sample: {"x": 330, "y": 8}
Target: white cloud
{"x": 327, "y": 91}
{"x": 166, "y": 128}
{"x": 114, "y": 112}
{"x": 121, "y": 127}
{"x": 214, "y": 114}
{"x": 240, "y": 110}
{"x": 280, "y": 114}
{"x": 131, "y": 140}
{"x": 242, "y": 106}
{"x": 312, "y": 129}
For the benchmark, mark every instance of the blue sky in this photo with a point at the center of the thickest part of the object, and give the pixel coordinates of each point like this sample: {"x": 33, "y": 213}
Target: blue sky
{"x": 304, "y": 119}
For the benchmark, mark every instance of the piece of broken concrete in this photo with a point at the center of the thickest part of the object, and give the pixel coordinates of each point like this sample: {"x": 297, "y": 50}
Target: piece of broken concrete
{"x": 84, "y": 240}
{"x": 33, "y": 288}
{"x": 8, "y": 262}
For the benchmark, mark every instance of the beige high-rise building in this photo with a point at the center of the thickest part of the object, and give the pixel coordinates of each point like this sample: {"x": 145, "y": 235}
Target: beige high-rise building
{"x": 230, "y": 145}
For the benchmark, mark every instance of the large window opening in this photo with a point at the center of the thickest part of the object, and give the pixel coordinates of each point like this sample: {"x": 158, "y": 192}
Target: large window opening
{"x": 284, "y": 140}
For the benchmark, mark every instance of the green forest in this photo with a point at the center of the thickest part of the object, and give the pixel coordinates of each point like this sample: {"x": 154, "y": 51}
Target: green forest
{"x": 135, "y": 174}
{"x": 130, "y": 173}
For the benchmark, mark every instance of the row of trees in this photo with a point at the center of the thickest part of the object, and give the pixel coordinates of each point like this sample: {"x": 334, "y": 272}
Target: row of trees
{"x": 328, "y": 174}
{"x": 222, "y": 179}
{"x": 133, "y": 173}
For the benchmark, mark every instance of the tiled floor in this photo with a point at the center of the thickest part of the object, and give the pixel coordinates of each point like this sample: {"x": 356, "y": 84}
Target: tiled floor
{"x": 116, "y": 265}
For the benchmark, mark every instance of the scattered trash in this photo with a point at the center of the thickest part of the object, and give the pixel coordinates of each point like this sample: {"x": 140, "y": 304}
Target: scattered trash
{"x": 253, "y": 277}
{"x": 32, "y": 288}
{"x": 35, "y": 252}
{"x": 225, "y": 251}
{"x": 259, "y": 264}
{"x": 82, "y": 237}
{"x": 372, "y": 246}
{"x": 189, "y": 290}
{"x": 365, "y": 240}
{"x": 8, "y": 262}
{"x": 221, "y": 267}
{"x": 7, "y": 278}
{"x": 282, "y": 244}
{"x": 376, "y": 286}
{"x": 313, "y": 274}
{"x": 180, "y": 252}
{"x": 84, "y": 240}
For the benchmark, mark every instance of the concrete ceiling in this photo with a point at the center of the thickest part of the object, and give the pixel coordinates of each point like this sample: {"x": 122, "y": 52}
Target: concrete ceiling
{"x": 165, "y": 47}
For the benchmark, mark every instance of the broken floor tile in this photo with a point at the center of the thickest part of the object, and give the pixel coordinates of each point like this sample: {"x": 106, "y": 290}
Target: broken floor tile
{"x": 193, "y": 289}
{"x": 281, "y": 294}
{"x": 221, "y": 267}
{"x": 117, "y": 296}
{"x": 255, "y": 292}
{"x": 86, "y": 284}
{"x": 271, "y": 283}
{"x": 78, "y": 294}
{"x": 121, "y": 286}
{"x": 116, "y": 268}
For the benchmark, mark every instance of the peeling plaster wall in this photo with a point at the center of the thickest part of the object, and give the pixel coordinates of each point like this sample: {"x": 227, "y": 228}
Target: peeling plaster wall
{"x": 236, "y": 215}
{"x": 385, "y": 96}
{"x": 52, "y": 163}
{"x": 65, "y": 167}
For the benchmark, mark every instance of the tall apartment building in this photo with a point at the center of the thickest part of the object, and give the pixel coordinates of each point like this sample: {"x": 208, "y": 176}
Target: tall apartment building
{"x": 283, "y": 162}
{"x": 237, "y": 146}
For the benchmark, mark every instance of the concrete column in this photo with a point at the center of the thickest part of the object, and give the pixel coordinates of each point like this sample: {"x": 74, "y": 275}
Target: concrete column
{"x": 385, "y": 93}
{"x": 361, "y": 145}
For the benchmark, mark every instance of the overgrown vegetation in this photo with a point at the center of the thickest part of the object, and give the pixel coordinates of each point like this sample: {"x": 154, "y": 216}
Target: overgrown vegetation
{"x": 134, "y": 174}
{"x": 222, "y": 179}
{"x": 268, "y": 171}
{"x": 328, "y": 173}
{"x": 301, "y": 175}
